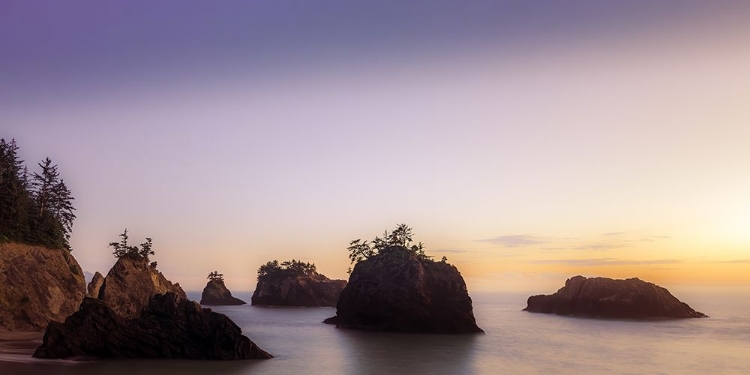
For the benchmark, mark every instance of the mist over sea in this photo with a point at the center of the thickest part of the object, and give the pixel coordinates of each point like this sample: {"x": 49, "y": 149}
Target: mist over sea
{"x": 516, "y": 342}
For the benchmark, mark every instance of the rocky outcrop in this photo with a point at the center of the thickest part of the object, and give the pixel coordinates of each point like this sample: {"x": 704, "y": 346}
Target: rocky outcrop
{"x": 396, "y": 290}
{"x": 608, "y": 298}
{"x": 216, "y": 294}
{"x": 309, "y": 290}
{"x": 169, "y": 327}
{"x": 131, "y": 283}
{"x": 37, "y": 285}
{"x": 92, "y": 290}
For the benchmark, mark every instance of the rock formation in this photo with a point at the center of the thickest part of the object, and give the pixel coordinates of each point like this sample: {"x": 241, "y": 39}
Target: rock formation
{"x": 38, "y": 285}
{"x": 92, "y": 290}
{"x": 216, "y": 293}
{"x": 303, "y": 290}
{"x": 608, "y": 298}
{"x": 131, "y": 283}
{"x": 396, "y": 290}
{"x": 169, "y": 327}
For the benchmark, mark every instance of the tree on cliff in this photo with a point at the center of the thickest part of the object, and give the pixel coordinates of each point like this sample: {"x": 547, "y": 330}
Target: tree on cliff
{"x": 36, "y": 211}
{"x": 215, "y": 275}
{"x": 122, "y": 249}
{"x": 401, "y": 236}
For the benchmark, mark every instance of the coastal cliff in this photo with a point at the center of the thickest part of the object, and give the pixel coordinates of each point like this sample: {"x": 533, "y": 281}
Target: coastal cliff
{"x": 168, "y": 327}
{"x": 306, "y": 290}
{"x": 216, "y": 294}
{"x": 39, "y": 285}
{"x": 131, "y": 283}
{"x": 609, "y": 298}
{"x": 397, "y": 290}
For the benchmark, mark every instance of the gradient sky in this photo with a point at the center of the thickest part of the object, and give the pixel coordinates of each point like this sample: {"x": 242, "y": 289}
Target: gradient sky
{"x": 528, "y": 141}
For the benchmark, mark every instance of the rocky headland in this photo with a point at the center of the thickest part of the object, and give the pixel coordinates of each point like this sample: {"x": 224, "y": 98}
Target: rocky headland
{"x": 168, "y": 327}
{"x": 399, "y": 290}
{"x": 609, "y": 298}
{"x": 131, "y": 283}
{"x": 216, "y": 294}
{"x": 39, "y": 285}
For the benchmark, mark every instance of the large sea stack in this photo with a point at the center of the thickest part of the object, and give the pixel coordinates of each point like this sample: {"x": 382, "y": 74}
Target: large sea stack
{"x": 398, "y": 290}
{"x": 37, "y": 285}
{"x": 216, "y": 294}
{"x": 607, "y": 298}
{"x": 131, "y": 283}
{"x": 169, "y": 327}
{"x": 295, "y": 283}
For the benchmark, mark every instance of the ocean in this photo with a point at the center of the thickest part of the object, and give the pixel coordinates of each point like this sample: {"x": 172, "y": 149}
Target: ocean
{"x": 515, "y": 342}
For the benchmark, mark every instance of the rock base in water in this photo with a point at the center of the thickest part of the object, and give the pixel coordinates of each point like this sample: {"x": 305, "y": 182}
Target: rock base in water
{"x": 398, "y": 291}
{"x": 169, "y": 327}
{"x": 608, "y": 298}
{"x": 307, "y": 291}
{"x": 216, "y": 294}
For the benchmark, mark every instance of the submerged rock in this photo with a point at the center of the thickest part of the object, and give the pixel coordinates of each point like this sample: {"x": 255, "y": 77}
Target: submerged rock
{"x": 608, "y": 298}
{"x": 396, "y": 290}
{"x": 301, "y": 290}
{"x": 92, "y": 290}
{"x": 38, "y": 285}
{"x": 169, "y": 327}
{"x": 131, "y": 283}
{"x": 216, "y": 293}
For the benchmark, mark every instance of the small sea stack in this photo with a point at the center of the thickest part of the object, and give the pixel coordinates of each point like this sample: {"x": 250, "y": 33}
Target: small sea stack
{"x": 216, "y": 293}
{"x": 601, "y": 297}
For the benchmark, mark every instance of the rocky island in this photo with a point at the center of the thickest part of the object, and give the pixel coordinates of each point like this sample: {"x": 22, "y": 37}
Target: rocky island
{"x": 216, "y": 293}
{"x": 169, "y": 327}
{"x": 608, "y": 298}
{"x": 295, "y": 283}
{"x": 398, "y": 288}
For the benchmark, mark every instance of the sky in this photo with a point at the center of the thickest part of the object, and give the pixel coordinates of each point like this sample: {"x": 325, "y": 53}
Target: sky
{"x": 527, "y": 141}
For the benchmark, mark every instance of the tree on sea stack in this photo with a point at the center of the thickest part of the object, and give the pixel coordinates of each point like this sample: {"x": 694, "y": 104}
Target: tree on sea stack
{"x": 401, "y": 236}
{"x": 122, "y": 249}
{"x": 215, "y": 276}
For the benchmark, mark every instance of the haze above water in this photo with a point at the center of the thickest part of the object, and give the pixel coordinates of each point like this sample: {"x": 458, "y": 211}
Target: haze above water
{"x": 515, "y": 342}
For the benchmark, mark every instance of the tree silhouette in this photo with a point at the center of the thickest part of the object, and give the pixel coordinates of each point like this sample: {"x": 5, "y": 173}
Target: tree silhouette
{"x": 122, "y": 249}
{"x": 215, "y": 275}
{"x": 290, "y": 268}
{"x": 400, "y": 237}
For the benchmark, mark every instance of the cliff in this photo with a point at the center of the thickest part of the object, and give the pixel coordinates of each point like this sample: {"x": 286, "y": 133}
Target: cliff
{"x": 169, "y": 327}
{"x": 310, "y": 290}
{"x": 216, "y": 293}
{"x": 608, "y": 298}
{"x": 131, "y": 283}
{"x": 39, "y": 285}
{"x": 396, "y": 290}
{"x": 92, "y": 290}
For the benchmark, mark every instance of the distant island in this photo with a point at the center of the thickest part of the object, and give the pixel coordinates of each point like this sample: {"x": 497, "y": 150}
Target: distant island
{"x": 295, "y": 283}
{"x": 397, "y": 287}
{"x": 216, "y": 293}
{"x": 609, "y": 298}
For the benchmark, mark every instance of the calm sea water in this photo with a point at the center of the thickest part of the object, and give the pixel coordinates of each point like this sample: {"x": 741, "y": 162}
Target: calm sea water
{"x": 515, "y": 342}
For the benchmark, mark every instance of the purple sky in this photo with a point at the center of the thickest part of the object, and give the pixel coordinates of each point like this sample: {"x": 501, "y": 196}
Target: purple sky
{"x": 254, "y": 130}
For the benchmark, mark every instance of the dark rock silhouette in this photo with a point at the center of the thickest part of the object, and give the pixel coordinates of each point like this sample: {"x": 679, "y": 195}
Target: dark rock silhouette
{"x": 608, "y": 298}
{"x": 92, "y": 290}
{"x": 131, "y": 283}
{"x": 216, "y": 293}
{"x": 169, "y": 327}
{"x": 301, "y": 290}
{"x": 396, "y": 290}
{"x": 37, "y": 285}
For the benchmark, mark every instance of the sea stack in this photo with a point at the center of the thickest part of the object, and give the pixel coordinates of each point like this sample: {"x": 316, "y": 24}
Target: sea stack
{"x": 608, "y": 298}
{"x": 399, "y": 290}
{"x": 295, "y": 283}
{"x": 131, "y": 283}
{"x": 168, "y": 327}
{"x": 216, "y": 293}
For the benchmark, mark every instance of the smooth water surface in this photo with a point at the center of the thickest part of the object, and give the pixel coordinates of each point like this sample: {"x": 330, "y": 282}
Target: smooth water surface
{"x": 515, "y": 342}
